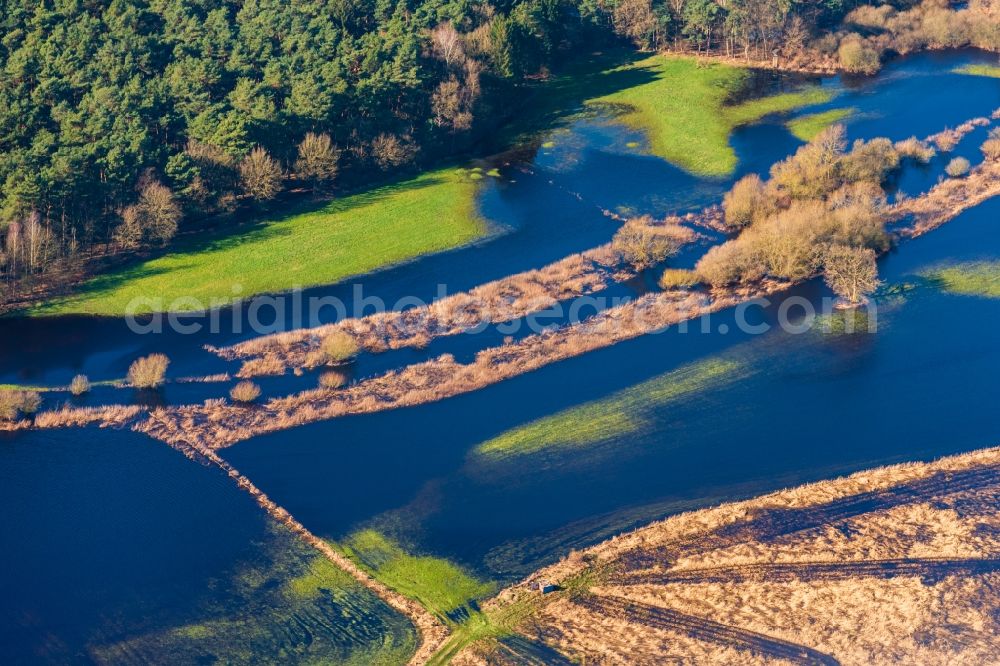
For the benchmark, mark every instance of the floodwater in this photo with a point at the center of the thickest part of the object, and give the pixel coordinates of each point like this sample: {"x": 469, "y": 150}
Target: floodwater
{"x": 110, "y": 536}
{"x": 813, "y": 405}
{"x": 111, "y": 540}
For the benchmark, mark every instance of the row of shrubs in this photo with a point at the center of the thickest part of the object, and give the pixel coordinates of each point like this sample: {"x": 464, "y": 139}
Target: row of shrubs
{"x": 149, "y": 372}
{"x": 822, "y": 209}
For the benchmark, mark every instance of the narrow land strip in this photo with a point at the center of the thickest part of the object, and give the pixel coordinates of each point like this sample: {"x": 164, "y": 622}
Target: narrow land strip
{"x": 218, "y": 425}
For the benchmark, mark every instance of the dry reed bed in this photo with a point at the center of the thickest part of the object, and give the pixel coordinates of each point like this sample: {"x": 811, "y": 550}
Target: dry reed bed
{"x": 947, "y": 199}
{"x": 217, "y": 425}
{"x": 722, "y": 577}
{"x": 108, "y": 416}
{"x": 105, "y": 416}
{"x": 948, "y": 138}
{"x": 499, "y": 301}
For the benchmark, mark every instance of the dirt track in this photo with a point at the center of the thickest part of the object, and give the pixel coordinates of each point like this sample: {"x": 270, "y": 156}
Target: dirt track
{"x": 704, "y": 629}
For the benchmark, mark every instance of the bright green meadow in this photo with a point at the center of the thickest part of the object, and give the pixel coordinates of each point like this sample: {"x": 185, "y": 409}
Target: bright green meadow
{"x": 350, "y": 236}
{"x": 807, "y": 127}
{"x": 682, "y": 104}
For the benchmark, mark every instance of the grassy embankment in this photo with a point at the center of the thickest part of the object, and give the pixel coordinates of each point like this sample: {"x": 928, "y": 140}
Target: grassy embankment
{"x": 442, "y": 587}
{"x": 992, "y": 71}
{"x": 807, "y": 127}
{"x": 622, "y": 413}
{"x": 682, "y": 107}
{"x": 981, "y": 278}
{"x": 296, "y": 606}
{"x": 353, "y": 235}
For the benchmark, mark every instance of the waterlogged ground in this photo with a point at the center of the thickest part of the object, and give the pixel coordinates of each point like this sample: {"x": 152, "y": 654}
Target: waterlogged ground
{"x": 119, "y": 550}
{"x": 507, "y": 478}
{"x": 124, "y": 550}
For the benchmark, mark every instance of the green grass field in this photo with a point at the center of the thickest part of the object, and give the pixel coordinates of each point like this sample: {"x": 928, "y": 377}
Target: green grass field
{"x": 349, "y": 236}
{"x": 807, "y": 127}
{"x": 620, "y": 414}
{"x": 993, "y": 71}
{"x": 681, "y": 105}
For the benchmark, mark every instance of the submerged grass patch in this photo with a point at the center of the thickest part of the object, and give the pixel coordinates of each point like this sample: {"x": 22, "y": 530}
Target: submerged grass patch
{"x": 980, "y": 278}
{"x": 295, "y": 607}
{"x": 992, "y": 71}
{"x": 682, "y": 106}
{"x": 620, "y": 414}
{"x": 807, "y": 127}
{"x": 353, "y": 235}
{"x": 440, "y": 586}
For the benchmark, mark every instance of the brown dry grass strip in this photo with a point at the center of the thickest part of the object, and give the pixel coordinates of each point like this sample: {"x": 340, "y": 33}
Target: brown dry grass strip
{"x": 217, "y": 425}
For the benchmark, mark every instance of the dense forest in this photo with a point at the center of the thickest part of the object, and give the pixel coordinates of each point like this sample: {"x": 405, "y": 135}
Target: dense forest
{"x": 121, "y": 120}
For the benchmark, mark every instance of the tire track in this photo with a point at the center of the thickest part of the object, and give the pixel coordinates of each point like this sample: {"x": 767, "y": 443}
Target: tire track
{"x": 929, "y": 570}
{"x": 518, "y": 650}
{"x": 769, "y": 524}
{"x": 704, "y": 629}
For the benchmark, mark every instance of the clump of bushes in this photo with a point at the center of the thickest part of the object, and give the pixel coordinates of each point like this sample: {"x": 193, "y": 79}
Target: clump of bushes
{"x": 822, "y": 166}
{"x": 678, "y": 278}
{"x": 746, "y": 202}
{"x": 643, "y": 243}
{"x": 148, "y": 371}
{"x": 339, "y": 347}
{"x": 946, "y": 140}
{"x": 858, "y": 56}
{"x": 245, "y": 392}
{"x": 812, "y": 172}
{"x": 870, "y": 161}
{"x": 958, "y": 167}
{"x": 332, "y": 379}
{"x": 730, "y": 263}
{"x": 915, "y": 149}
{"x": 818, "y": 198}
{"x": 991, "y": 147}
{"x": 79, "y": 385}
{"x": 14, "y": 403}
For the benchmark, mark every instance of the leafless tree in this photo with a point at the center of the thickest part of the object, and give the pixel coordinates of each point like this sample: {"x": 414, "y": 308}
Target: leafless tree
{"x": 851, "y": 272}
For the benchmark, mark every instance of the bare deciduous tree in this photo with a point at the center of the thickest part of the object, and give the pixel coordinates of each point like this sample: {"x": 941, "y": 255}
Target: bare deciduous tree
{"x": 851, "y": 272}
{"x": 260, "y": 175}
{"x": 446, "y": 43}
{"x": 317, "y": 159}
